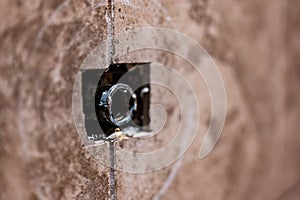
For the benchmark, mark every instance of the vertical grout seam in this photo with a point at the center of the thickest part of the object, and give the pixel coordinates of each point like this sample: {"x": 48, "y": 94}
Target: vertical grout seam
{"x": 110, "y": 59}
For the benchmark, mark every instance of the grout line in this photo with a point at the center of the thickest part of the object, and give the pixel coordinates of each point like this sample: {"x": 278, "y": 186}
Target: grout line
{"x": 112, "y": 174}
{"x": 110, "y": 30}
{"x": 110, "y": 59}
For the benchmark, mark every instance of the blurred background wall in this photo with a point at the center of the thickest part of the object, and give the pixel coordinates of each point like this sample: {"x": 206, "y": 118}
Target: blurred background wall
{"x": 256, "y": 46}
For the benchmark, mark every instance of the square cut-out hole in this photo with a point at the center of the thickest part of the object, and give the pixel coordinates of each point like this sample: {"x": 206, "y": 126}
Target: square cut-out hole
{"x": 116, "y": 97}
